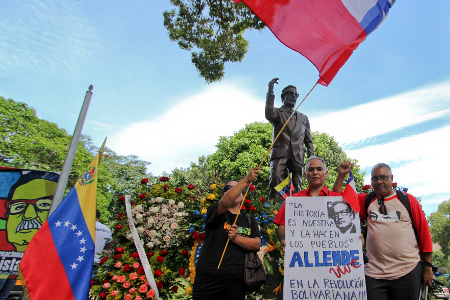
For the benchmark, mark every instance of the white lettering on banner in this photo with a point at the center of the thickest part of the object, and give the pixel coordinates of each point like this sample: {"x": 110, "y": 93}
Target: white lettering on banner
{"x": 322, "y": 260}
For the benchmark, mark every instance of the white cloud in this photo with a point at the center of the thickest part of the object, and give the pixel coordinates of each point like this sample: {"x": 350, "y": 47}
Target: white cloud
{"x": 420, "y": 161}
{"x": 190, "y": 129}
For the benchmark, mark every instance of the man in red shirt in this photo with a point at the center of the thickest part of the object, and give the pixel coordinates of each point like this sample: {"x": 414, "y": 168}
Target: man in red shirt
{"x": 315, "y": 172}
{"x": 398, "y": 260}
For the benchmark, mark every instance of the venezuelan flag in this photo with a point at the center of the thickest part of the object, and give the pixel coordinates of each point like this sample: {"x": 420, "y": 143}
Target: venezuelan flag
{"x": 285, "y": 186}
{"x": 58, "y": 261}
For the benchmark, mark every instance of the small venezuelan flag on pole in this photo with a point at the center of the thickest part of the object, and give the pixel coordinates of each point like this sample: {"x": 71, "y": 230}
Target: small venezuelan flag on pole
{"x": 59, "y": 259}
{"x": 285, "y": 186}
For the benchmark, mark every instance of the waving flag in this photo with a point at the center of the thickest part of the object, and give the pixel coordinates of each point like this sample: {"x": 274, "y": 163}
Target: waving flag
{"x": 285, "y": 186}
{"x": 58, "y": 261}
{"x": 350, "y": 195}
{"x": 324, "y": 31}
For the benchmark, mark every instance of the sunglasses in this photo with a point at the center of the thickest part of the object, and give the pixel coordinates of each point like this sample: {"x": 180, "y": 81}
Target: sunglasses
{"x": 227, "y": 187}
{"x": 382, "y": 208}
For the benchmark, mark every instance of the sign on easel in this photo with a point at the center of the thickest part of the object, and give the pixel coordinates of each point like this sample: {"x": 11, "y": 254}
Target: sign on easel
{"x": 323, "y": 257}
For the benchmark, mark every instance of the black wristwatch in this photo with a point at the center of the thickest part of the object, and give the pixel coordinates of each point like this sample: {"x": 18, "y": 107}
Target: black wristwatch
{"x": 427, "y": 264}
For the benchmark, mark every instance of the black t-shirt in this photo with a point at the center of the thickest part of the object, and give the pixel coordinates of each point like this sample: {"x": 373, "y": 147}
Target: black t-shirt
{"x": 208, "y": 278}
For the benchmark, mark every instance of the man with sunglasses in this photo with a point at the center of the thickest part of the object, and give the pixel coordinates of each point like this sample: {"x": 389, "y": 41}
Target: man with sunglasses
{"x": 288, "y": 151}
{"x": 398, "y": 261}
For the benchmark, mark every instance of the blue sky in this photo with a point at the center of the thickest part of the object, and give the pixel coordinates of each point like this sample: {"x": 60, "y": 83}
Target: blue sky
{"x": 389, "y": 103}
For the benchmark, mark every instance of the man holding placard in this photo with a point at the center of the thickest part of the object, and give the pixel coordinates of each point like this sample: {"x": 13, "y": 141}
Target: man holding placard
{"x": 323, "y": 258}
{"x": 399, "y": 244}
{"x": 315, "y": 172}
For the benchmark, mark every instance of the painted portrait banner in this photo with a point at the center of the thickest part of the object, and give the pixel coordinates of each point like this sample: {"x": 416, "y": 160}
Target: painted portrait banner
{"x": 323, "y": 257}
{"x": 25, "y": 199}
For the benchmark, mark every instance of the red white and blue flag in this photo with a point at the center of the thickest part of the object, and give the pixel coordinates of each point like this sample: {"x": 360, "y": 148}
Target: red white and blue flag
{"x": 58, "y": 261}
{"x": 324, "y": 31}
{"x": 285, "y": 186}
{"x": 350, "y": 195}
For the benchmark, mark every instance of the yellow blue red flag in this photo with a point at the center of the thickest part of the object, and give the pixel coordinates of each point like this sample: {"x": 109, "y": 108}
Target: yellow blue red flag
{"x": 58, "y": 261}
{"x": 285, "y": 186}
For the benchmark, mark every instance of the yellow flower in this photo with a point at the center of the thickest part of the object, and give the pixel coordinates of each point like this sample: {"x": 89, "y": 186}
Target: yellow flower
{"x": 214, "y": 186}
{"x": 203, "y": 200}
{"x": 204, "y": 210}
{"x": 188, "y": 290}
{"x": 211, "y": 197}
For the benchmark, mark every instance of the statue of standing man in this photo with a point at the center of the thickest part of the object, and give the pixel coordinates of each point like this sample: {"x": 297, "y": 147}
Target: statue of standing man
{"x": 288, "y": 152}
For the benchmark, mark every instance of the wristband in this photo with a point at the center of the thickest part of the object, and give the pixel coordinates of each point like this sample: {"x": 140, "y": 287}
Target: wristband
{"x": 427, "y": 264}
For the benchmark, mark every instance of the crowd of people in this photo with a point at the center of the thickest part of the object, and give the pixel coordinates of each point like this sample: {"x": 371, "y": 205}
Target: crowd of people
{"x": 398, "y": 241}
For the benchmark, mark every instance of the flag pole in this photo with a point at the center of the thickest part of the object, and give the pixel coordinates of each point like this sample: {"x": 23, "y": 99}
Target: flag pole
{"x": 246, "y": 192}
{"x": 62, "y": 182}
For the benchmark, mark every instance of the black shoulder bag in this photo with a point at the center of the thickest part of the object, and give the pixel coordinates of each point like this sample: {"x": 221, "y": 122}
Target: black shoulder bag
{"x": 254, "y": 274}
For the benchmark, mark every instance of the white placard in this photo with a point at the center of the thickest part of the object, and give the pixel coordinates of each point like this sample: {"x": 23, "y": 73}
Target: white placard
{"x": 323, "y": 257}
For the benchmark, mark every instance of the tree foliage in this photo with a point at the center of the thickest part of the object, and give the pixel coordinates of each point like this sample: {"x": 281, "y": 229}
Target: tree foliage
{"x": 245, "y": 149}
{"x": 440, "y": 227}
{"x": 212, "y": 31}
{"x": 29, "y": 142}
{"x": 33, "y": 143}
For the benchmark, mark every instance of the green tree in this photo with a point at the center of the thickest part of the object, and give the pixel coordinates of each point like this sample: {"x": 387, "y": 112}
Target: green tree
{"x": 212, "y": 30}
{"x": 237, "y": 154}
{"x": 440, "y": 227}
{"x": 33, "y": 143}
{"x": 119, "y": 175}
{"x": 29, "y": 142}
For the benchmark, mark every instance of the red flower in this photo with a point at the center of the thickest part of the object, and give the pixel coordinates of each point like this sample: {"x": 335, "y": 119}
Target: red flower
{"x": 251, "y": 187}
{"x": 118, "y": 226}
{"x": 103, "y": 295}
{"x": 164, "y": 253}
{"x": 119, "y": 216}
{"x": 243, "y": 207}
{"x": 157, "y": 273}
{"x": 202, "y": 236}
{"x": 122, "y": 198}
{"x": 174, "y": 289}
{"x": 160, "y": 259}
{"x": 394, "y": 184}
{"x": 366, "y": 187}
{"x": 184, "y": 253}
{"x": 103, "y": 260}
{"x": 127, "y": 268}
{"x": 195, "y": 235}
{"x": 247, "y": 201}
{"x": 92, "y": 282}
{"x": 144, "y": 181}
{"x": 262, "y": 199}
{"x": 141, "y": 270}
{"x": 105, "y": 281}
{"x": 118, "y": 256}
{"x": 159, "y": 284}
{"x": 164, "y": 179}
{"x": 192, "y": 198}
{"x": 142, "y": 196}
{"x": 134, "y": 255}
{"x": 178, "y": 190}
{"x": 150, "y": 254}
{"x": 108, "y": 275}
{"x": 166, "y": 187}
{"x": 119, "y": 249}
{"x": 182, "y": 271}
{"x": 251, "y": 207}
{"x": 191, "y": 187}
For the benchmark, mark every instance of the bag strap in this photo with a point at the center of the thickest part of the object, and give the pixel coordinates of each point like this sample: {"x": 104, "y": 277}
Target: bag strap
{"x": 403, "y": 197}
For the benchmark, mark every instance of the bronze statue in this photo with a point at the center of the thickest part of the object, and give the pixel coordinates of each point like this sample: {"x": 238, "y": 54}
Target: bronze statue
{"x": 288, "y": 152}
